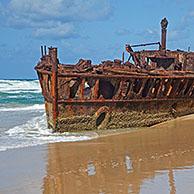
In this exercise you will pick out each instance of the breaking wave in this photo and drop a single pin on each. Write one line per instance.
(20, 92)
(35, 107)
(17, 86)
(35, 132)
(22, 101)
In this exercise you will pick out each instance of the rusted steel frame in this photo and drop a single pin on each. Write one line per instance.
(48, 99)
(123, 57)
(125, 88)
(181, 93)
(41, 49)
(48, 83)
(54, 80)
(90, 75)
(190, 89)
(128, 87)
(146, 44)
(45, 52)
(44, 71)
(40, 77)
(124, 101)
(159, 93)
(167, 86)
(139, 94)
(180, 87)
(120, 90)
(123, 72)
(183, 72)
(130, 90)
(44, 82)
(175, 87)
(156, 87)
(81, 89)
(64, 89)
(137, 86)
(153, 84)
(95, 89)
(43, 87)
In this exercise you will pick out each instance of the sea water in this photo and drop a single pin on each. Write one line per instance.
(22, 117)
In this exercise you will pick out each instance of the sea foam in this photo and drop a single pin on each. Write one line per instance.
(35, 132)
(19, 97)
(35, 107)
(17, 86)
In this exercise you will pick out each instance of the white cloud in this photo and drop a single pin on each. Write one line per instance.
(66, 30)
(61, 9)
(53, 17)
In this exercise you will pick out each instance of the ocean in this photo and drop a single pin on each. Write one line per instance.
(22, 117)
(158, 159)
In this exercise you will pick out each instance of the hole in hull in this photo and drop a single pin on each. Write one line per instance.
(106, 89)
(100, 119)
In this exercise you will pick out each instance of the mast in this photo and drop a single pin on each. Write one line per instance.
(164, 24)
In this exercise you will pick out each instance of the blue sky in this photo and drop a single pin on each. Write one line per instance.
(91, 29)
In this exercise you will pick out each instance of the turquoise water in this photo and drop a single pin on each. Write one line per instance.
(22, 117)
(21, 92)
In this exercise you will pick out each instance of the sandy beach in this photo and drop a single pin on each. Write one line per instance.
(96, 97)
(159, 159)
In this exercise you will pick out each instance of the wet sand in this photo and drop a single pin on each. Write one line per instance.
(159, 159)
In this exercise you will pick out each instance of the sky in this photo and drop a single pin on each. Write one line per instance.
(88, 29)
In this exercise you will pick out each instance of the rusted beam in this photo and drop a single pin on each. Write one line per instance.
(123, 57)
(81, 89)
(190, 89)
(95, 89)
(181, 85)
(41, 50)
(90, 75)
(45, 50)
(168, 87)
(121, 101)
(175, 87)
(181, 93)
(54, 89)
(44, 71)
(130, 89)
(146, 44)
(151, 88)
(139, 94)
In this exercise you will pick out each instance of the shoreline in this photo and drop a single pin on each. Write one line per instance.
(113, 163)
(100, 134)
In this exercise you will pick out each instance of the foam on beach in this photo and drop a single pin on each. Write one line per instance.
(35, 132)
(35, 107)
(22, 102)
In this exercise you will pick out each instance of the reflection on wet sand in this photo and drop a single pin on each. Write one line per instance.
(121, 163)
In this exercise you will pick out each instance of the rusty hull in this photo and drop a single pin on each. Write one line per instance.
(150, 87)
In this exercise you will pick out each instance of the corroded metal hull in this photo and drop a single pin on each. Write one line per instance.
(84, 101)
(157, 86)
(87, 116)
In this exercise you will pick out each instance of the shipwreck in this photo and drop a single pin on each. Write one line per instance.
(149, 87)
